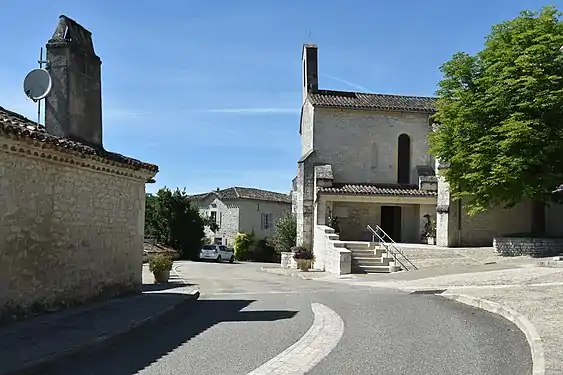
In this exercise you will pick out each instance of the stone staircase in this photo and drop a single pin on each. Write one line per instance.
(367, 257)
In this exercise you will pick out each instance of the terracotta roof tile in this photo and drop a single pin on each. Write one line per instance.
(377, 189)
(14, 124)
(358, 100)
(237, 192)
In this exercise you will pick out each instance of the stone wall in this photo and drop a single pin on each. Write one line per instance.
(227, 219)
(69, 232)
(331, 254)
(374, 136)
(535, 247)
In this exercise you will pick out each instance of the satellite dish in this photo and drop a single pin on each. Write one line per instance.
(37, 84)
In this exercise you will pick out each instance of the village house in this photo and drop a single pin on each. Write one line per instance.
(71, 213)
(365, 161)
(239, 209)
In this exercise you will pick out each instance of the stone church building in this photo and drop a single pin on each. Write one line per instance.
(71, 212)
(365, 160)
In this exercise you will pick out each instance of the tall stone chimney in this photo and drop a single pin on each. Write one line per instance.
(310, 69)
(73, 108)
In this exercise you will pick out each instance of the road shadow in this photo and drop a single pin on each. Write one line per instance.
(135, 351)
(167, 286)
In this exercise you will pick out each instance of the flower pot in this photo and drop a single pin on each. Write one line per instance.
(304, 264)
(430, 240)
(161, 277)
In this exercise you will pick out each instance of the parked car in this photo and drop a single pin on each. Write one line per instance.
(217, 253)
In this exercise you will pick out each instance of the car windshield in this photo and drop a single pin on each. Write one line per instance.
(209, 247)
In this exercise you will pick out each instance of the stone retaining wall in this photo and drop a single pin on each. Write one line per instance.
(534, 247)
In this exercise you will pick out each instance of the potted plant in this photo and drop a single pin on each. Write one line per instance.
(304, 259)
(429, 230)
(160, 266)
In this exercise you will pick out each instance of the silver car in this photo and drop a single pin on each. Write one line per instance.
(217, 253)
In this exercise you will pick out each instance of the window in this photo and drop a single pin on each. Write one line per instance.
(267, 222)
(404, 159)
(214, 216)
(218, 241)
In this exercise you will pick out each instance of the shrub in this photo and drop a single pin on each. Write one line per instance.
(262, 251)
(160, 263)
(243, 241)
(285, 235)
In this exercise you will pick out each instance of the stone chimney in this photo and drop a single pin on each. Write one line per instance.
(310, 69)
(73, 109)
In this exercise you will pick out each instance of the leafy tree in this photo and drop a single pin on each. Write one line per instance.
(174, 222)
(285, 235)
(500, 116)
(243, 242)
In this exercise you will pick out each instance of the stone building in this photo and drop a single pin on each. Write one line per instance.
(365, 160)
(71, 213)
(239, 209)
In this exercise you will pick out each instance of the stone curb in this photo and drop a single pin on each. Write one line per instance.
(534, 339)
(293, 274)
(35, 367)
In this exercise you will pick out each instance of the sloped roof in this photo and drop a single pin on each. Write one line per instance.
(377, 189)
(14, 125)
(358, 100)
(237, 192)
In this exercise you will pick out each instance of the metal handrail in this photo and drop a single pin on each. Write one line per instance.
(390, 246)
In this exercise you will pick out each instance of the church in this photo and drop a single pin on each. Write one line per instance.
(365, 161)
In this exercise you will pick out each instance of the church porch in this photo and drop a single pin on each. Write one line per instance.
(398, 209)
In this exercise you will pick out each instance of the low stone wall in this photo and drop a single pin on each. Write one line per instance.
(330, 253)
(287, 260)
(534, 247)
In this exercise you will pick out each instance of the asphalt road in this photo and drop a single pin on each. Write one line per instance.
(246, 317)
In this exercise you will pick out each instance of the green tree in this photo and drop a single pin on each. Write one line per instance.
(500, 114)
(243, 242)
(285, 235)
(174, 222)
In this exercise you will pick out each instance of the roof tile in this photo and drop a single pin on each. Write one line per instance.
(25, 129)
(237, 192)
(358, 100)
(377, 189)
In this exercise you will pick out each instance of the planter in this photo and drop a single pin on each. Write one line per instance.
(304, 264)
(430, 240)
(161, 277)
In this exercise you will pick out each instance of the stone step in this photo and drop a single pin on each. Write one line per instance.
(370, 269)
(366, 253)
(373, 261)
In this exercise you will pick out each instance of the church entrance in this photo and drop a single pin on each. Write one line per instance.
(391, 221)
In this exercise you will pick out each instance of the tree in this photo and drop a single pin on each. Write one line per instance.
(285, 235)
(500, 116)
(174, 222)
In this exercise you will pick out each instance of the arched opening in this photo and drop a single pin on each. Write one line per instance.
(404, 159)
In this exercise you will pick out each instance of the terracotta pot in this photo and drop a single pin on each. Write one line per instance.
(430, 240)
(161, 277)
(304, 264)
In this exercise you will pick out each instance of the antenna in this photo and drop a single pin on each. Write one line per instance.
(37, 84)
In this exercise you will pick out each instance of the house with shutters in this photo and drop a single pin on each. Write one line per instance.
(239, 209)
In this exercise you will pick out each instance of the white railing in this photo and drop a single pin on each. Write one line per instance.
(391, 247)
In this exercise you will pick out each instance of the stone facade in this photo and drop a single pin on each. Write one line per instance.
(359, 142)
(242, 215)
(535, 247)
(71, 213)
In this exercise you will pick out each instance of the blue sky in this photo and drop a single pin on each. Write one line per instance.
(211, 90)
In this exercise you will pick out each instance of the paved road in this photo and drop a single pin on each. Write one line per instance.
(247, 317)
